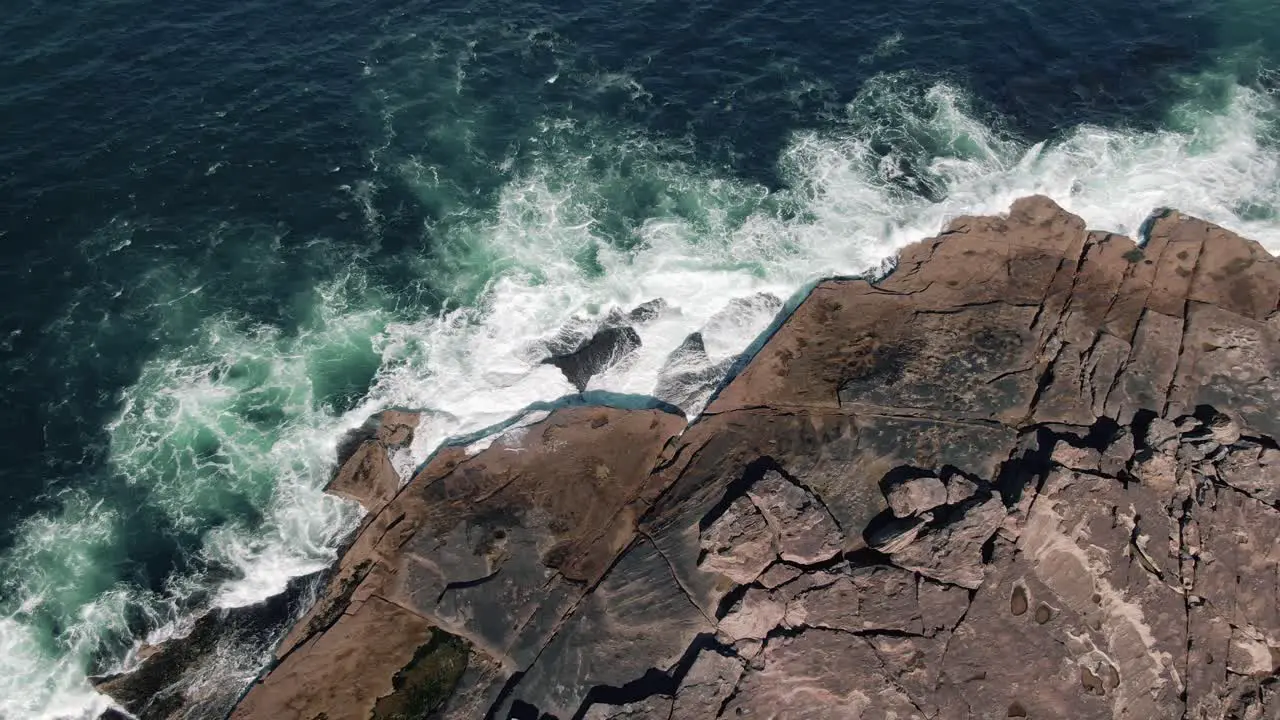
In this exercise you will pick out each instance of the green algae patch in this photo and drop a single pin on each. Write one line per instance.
(423, 686)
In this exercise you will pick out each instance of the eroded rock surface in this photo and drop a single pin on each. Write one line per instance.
(1032, 473)
(499, 553)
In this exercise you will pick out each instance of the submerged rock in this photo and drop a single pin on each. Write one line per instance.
(168, 681)
(688, 377)
(601, 352)
(1088, 436)
(648, 311)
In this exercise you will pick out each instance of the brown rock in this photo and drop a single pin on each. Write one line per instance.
(1084, 627)
(1118, 454)
(1076, 458)
(1089, 532)
(740, 544)
(753, 616)
(807, 534)
(820, 674)
(916, 495)
(368, 475)
(654, 707)
(779, 574)
(1224, 430)
(874, 598)
(600, 352)
(1254, 470)
(949, 550)
(710, 681)
(170, 680)
(471, 542)
(638, 618)
(341, 674)
(959, 489)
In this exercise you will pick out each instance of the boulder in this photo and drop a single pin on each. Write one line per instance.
(599, 353)
(916, 495)
(367, 472)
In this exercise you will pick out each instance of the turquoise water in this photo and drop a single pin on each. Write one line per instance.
(232, 232)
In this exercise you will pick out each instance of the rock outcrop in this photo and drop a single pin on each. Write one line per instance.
(1032, 473)
(582, 349)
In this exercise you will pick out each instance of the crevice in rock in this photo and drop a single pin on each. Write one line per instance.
(961, 307)
(1088, 381)
(1102, 330)
(902, 474)
(828, 565)
(1101, 433)
(782, 632)
(323, 620)
(903, 293)
(675, 577)
(1186, 322)
(989, 548)
(1262, 440)
(1045, 381)
(464, 584)
(865, 557)
(1008, 374)
(501, 700)
(382, 533)
(884, 672)
(883, 528)
(1075, 273)
(733, 597)
(1141, 423)
(817, 498)
(680, 448)
(1144, 559)
(946, 646)
(391, 526)
(1223, 485)
(728, 700)
(1186, 577)
(870, 632)
(555, 632)
(1128, 358)
(1035, 319)
(521, 710)
(754, 471)
(655, 681)
(1027, 465)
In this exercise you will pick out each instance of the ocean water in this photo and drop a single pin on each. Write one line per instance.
(231, 231)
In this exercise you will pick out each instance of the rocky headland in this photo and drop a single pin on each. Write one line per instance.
(1033, 472)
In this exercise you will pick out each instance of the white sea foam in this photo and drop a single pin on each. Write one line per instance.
(239, 416)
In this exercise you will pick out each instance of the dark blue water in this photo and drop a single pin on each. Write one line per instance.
(231, 230)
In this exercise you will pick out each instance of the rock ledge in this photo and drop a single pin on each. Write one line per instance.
(1032, 473)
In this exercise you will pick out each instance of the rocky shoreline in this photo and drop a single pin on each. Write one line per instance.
(1033, 472)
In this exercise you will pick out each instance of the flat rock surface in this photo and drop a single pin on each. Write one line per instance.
(1032, 473)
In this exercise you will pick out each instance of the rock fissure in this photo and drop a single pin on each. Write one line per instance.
(676, 578)
(467, 584)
